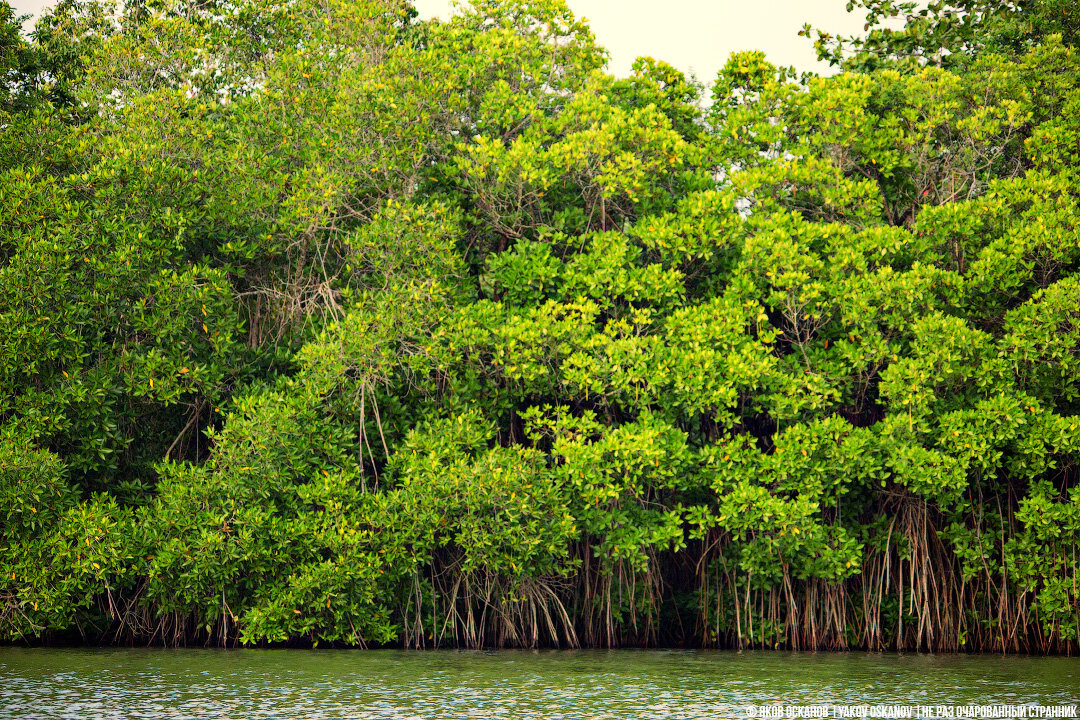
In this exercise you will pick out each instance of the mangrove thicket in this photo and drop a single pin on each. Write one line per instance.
(324, 324)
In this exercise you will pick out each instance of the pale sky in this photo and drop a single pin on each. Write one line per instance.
(698, 35)
(693, 35)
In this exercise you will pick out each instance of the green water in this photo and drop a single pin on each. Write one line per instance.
(192, 684)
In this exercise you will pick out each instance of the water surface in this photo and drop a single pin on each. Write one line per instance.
(675, 685)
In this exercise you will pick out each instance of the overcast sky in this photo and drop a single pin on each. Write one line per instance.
(693, 35)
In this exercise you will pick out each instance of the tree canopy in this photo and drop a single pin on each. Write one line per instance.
(321, 323)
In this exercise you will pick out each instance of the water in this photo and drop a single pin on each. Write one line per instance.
(675, 685)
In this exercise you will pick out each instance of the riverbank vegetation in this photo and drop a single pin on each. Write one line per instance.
(323, 324)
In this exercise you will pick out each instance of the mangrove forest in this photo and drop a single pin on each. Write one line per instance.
(322, 324)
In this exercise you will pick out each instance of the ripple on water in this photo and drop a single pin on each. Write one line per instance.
(362, 685)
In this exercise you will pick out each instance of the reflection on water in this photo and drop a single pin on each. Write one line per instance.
(195, 684)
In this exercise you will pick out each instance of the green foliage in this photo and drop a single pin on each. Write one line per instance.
(946, 32)
(322, 324)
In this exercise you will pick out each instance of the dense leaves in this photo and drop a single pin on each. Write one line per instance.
(324, 324)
